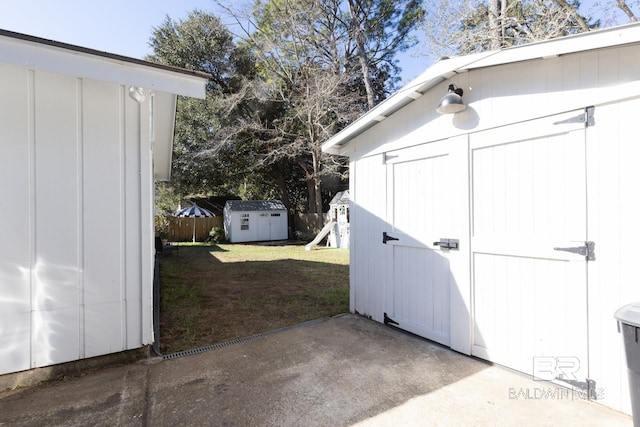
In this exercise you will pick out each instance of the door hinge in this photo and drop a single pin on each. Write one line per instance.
(588, 250)
(386, 238)
(587, 118)
(389, 321)
(594, 393)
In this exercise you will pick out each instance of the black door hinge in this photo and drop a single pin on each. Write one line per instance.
(389, 321)
(386, 238)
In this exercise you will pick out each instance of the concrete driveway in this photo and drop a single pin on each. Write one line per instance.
(340, 371)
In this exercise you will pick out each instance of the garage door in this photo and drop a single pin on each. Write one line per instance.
(427, 200)
(528, 243)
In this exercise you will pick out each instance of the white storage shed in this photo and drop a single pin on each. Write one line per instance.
(84, 134)
(507, 231)
(255, 220)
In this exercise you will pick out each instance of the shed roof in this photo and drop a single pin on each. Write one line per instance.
(444, 69)
(341, 198)
(255, 205)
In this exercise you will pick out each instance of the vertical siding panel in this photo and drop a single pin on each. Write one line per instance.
(17, 214)
(147, 251)
(369, 203)
(102, 218)
(613, 224)
(55, 298)
(133, 219)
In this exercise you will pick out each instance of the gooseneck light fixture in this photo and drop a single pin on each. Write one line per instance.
(452, 102)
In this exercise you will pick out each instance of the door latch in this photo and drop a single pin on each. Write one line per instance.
(448, 244)
(386, 238)
(588, 250)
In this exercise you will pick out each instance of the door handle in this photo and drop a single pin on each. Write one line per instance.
(448, 244)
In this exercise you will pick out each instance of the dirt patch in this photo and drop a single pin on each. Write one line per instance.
(216, 293)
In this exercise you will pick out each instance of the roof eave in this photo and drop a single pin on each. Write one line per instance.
(443, 70)
(37, 53)
(434, 75)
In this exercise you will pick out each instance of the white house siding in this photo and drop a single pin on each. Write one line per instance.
(534, 93)
(76, 219)
(367, 272)
(613, 211)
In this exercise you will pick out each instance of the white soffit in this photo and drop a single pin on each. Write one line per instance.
(445, 69)
(41, 54)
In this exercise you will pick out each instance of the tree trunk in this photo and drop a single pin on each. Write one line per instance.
(284, 190)
(311, 194)
(358, 34)
(623, 6)
(317, 188)
(495, 24)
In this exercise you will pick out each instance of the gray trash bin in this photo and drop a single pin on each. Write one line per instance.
(629, 324)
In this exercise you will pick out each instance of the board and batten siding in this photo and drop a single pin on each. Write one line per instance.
(368, 222)
(76, 219)
(505, 103)
(613, 153)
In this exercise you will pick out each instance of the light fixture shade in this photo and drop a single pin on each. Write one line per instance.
(451, 102)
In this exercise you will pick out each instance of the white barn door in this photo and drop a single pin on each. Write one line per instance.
(528, 225)
(427, 201)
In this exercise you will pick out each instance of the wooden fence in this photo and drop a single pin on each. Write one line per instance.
(182, 229)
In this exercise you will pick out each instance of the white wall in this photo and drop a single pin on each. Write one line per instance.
(606, 78)
(613, 223)
(76, 258)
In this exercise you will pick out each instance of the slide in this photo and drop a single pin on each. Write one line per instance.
(325, 230)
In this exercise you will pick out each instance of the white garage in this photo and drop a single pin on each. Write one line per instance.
(507, 231)
(84, 135)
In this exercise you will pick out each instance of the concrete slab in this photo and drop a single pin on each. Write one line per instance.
(340, 371)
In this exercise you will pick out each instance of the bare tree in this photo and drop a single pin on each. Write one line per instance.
(302, 62)
(497, 24)
(624, 7)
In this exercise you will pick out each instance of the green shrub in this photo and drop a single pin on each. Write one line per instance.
(216, 235)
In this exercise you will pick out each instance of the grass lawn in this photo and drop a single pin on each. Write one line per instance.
(219, 292)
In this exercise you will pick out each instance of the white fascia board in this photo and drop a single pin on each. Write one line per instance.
(38, 56)
(437, 73)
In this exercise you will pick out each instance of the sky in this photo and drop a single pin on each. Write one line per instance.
(124, 26)
(118, 26)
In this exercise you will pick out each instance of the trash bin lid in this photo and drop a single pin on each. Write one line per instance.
(629, 314)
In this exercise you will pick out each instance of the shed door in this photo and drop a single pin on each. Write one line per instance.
(426, 202)
(529, 197)
(263, 226)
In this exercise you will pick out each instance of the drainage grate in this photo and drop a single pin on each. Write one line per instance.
(236, 341)
(210, 347)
